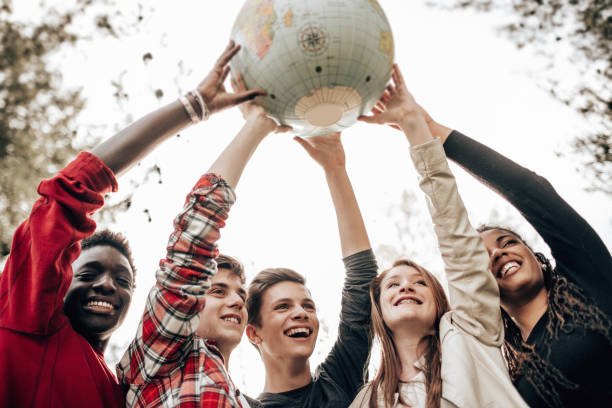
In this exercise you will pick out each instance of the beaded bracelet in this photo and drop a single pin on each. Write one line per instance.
(203, 107)
(190, 111)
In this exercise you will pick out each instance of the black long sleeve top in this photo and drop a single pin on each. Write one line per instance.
(337, 380)
(584, 357)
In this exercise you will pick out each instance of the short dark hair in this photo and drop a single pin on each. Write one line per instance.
(261, 283)
(233, 265)
(112, 239)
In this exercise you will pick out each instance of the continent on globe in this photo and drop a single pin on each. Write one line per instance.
(289, 18)
(386, 43)
(256, 23)
(322, 63)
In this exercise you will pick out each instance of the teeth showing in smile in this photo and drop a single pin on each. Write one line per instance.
(508, 267)
(409, 301)
(231, 319)
(298, 332)
(99, 306)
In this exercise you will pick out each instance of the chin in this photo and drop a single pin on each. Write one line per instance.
(99, 327)
(231, 340)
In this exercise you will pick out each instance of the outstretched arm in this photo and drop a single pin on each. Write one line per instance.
(474, 295)
(131, 144)
(38, 271)
(347, 360)
(172, 313)
(327, 150)
(578, 250)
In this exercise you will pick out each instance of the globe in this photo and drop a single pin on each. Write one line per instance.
(322, 62)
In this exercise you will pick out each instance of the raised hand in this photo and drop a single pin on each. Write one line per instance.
(253, 111)
(395, 105)
(212, 89)
(326, 150)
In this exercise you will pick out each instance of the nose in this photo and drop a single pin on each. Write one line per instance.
(407, 287)
(105, 283)
(299, 313)
(496, 253)
(235, 301)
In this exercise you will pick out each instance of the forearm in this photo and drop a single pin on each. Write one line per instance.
(131, 144)
(438, 131)
(414, 126)
(353, 234)
(173, 308)
(231, 162)
(473, 293)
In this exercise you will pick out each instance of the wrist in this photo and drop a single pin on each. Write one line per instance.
(410, 119)
(440, 131)
(260, 124)
(334, 170)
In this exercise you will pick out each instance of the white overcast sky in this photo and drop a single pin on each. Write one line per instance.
(456, 66)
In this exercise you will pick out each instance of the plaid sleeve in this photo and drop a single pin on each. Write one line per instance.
(174, 303)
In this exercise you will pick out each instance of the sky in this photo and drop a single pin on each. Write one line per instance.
(457, 67)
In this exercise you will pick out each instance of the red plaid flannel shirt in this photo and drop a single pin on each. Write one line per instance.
(167, 365)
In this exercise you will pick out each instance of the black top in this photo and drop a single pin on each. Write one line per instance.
(337, 380)
(584, 357)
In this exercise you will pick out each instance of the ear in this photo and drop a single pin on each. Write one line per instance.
(541, 259)
(251, 332)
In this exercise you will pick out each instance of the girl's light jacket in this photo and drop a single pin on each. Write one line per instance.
(474, 371)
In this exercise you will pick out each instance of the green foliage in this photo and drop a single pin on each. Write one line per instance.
(36, 119)
(547, 28)
(38, 126)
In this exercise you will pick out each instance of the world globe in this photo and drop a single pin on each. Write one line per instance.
(322, 62)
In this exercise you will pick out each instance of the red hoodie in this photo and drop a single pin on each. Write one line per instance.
(43, 361)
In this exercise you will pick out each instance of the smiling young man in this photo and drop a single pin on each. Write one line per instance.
(283, 322)
(53, 332)
(195, 313)
(101, 289)
(224, 318)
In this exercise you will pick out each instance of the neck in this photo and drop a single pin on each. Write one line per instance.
(409, 350)
(226, 355)
(97, 342)
(526, 313)
(286, 374)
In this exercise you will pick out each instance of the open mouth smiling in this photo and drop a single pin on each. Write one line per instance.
(408, 299)
(298, 332)
(508, 268)
(231, 318)
(99, 306)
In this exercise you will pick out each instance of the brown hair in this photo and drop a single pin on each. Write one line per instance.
(233, 265)
(388, 376)
(568, 309)
(261, 283)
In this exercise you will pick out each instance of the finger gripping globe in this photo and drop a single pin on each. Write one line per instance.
(322, 62)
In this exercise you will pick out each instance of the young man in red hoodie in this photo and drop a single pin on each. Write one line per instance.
(58, 305)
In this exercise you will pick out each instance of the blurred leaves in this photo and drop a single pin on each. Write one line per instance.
(38, 129)
(583, 28)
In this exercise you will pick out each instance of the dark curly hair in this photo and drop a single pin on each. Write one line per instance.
(568, 310)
